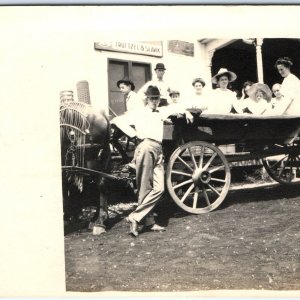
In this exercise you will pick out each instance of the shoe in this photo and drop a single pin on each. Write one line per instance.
(133, 226)
(156, 227)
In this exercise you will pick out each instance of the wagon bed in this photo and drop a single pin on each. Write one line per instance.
(198, 172)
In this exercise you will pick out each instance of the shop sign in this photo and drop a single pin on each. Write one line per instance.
(143, 48)
(181, 47)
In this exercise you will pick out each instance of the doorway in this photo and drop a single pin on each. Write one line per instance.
(138, 72)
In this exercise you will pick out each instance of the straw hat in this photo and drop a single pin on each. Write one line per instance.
(223, 71)
(260, 87)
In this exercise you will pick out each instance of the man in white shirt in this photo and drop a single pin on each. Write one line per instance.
(159, 82)
(132, 102)
(131, 99)
(148, 158)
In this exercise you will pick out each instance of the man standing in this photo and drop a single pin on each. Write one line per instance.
(163, 87)
(148, 158)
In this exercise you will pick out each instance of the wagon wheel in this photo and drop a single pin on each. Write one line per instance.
(283, 168)
(198, 177)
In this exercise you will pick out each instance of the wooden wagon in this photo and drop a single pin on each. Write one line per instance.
(198, 172)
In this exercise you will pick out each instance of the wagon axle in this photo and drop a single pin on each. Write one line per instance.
(201, 176)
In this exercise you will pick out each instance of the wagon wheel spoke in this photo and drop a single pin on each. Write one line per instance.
(186, 164)
(187, 192)
(210, 161)
(195, 200)
(201, 157)
(182, 184)
(277, 162)
(217, 179)
(283, 168)
(192, 157)
(198, 177)
(206, 196)
(216, 169)
(181, 173)
(213, 189)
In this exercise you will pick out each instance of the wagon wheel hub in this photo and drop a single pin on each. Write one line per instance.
(199, 177)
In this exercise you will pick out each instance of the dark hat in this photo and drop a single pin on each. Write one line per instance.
(126, 81)
(160, 66)
(198, 80)
(260, 87)
(231, 76)
(152, 91)
(174, 92)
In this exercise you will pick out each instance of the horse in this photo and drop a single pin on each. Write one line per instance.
(85, 157)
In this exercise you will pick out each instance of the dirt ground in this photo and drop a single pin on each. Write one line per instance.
(251, 242)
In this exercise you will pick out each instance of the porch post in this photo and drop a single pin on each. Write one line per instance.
(210, 56)
(260, 73)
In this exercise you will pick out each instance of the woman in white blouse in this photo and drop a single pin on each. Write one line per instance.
(290, 88)
(222, 98)
(197, 100)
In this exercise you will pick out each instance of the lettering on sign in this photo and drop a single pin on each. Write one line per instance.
(143, 48)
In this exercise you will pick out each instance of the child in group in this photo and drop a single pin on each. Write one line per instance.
(277, 93)
(177, 108)
(259, 101)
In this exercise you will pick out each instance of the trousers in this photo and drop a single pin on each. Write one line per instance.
(148, 159)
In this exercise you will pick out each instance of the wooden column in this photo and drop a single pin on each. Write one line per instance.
(210, 56)
(260, 72)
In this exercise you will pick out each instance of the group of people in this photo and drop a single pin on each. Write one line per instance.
(148, 109)
(257, 97)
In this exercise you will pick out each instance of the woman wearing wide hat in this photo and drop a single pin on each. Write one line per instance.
(222, 98)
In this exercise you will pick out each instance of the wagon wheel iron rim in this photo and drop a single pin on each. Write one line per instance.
(198, 177)
(283, 168)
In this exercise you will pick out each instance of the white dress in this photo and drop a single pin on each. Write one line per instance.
(195, 101)
(257, 108)
(221, 102)
(290, 89)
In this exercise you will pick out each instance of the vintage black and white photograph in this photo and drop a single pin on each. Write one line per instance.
(164, 147)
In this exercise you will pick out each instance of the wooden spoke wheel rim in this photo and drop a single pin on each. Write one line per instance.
(198, 177)
(283, 168)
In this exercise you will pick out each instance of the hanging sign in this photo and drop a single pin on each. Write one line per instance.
(143, 48)
(181, 47)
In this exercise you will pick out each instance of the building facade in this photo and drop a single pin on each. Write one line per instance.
(108, 61)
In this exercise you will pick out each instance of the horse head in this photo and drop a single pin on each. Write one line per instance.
(85, 135)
